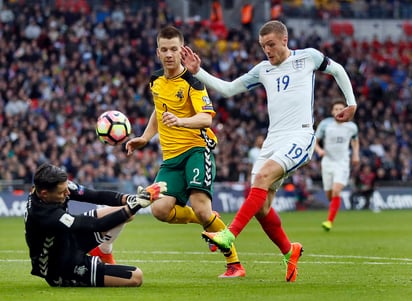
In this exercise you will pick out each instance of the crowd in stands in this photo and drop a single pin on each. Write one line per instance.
(61, 67)
(326, 10)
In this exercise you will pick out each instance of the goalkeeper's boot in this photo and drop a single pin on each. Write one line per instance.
(327, 226)
(213, 247)
(233, 270)
(222, 239)
(291, 261)
(106, 258)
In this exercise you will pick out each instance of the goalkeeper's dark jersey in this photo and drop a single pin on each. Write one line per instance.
(53, 235)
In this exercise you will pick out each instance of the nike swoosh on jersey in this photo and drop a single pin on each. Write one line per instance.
(271, 69)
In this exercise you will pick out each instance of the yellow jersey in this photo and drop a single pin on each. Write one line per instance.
(184, 96)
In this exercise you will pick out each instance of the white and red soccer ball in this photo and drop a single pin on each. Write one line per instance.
(113, 127)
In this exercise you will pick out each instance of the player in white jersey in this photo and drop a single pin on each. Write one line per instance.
(337, 138)
(288, 77)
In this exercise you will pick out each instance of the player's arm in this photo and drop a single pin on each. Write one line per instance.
(319, 134)
(355, 151)
(225, 88)
(335, 69)
(198, 121)
(110, 197)
(120, 215)
(151, 127)
(91, 223)
(318, 149)
(99, 197)
(55, 216)
(342, 79)
(201, 104)
(192, 62)
(148, 134)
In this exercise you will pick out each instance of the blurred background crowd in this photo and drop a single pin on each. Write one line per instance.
(63, 63)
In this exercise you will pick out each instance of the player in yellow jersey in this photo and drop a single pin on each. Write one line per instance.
(182, 117)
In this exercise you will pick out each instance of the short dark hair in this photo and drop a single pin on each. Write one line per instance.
(48, 176)
(170, 32)
(338, 101)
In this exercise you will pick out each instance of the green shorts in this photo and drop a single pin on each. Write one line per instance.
(194, 169)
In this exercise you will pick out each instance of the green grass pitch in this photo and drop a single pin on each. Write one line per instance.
(366, 256)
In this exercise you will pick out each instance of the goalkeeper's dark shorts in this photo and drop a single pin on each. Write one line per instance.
(194, 169)
(90, 273)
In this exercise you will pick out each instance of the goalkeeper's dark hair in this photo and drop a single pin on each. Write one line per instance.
(170, 32)
(48, 176)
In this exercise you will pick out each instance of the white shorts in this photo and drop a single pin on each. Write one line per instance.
(291, 151)
(334, 172)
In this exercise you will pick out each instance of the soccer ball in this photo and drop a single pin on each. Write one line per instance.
(113, 127)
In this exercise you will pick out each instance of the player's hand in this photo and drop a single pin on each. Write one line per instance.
(146, 196)
(170, 119)
(152, 192)
(320, 152)
(135, 143)
(190, 59)
(346, 114)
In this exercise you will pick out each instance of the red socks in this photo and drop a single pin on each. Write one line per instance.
(333, 208)
(272, 226)
(255, 200)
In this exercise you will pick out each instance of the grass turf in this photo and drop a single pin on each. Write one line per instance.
(366, 256)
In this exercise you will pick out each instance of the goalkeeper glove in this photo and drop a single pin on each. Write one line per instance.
(146, 196)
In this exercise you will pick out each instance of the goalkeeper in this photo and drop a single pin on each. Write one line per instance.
(59, 242)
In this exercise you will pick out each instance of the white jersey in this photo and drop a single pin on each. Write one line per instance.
(336, 139)
(289, 88)
(290, 97)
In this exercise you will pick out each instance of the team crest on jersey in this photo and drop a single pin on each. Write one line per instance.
(298, 64)
(179, 94)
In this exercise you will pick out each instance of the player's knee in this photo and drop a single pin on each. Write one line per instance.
(137, 278)
(160, 213)
(259, 178)
(161, 216)
(203, 213)
(264, 180)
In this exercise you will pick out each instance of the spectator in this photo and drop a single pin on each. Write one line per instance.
(70, 79)
(6, 14)
(32, 30)
(247, 17)
(364, 187)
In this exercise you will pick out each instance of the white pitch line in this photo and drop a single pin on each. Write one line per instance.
(268, 254)
(220, 262)
(362, 257)
(339, 259)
